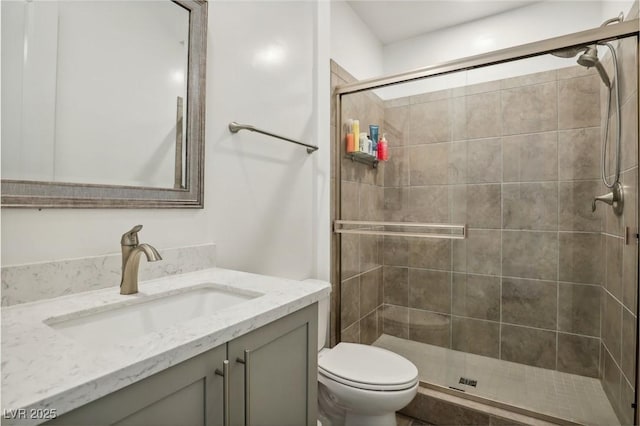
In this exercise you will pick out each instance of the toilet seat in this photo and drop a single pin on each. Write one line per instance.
(367, 367)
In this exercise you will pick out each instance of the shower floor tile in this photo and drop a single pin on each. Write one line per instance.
(567, 396)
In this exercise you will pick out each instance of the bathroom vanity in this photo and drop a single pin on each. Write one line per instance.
(251, 361)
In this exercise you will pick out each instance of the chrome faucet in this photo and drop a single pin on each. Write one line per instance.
(131, 252)
(615, 198)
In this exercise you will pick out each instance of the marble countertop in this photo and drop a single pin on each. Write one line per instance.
(44, 369)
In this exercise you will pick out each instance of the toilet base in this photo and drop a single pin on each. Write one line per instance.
(355, 419)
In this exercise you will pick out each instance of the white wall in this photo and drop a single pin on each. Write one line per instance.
(261, 194)
(262, 190)
(531, 23)
(353, 45)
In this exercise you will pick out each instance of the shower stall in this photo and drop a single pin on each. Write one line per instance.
(497, 248)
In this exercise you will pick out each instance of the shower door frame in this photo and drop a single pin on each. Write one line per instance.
(601, 34)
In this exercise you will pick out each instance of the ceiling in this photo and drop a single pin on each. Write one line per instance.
(394, 20)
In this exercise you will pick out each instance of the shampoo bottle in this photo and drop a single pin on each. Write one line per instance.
(364, 143)
(373, 132)
(383, 148)
(356, 135)
(349, 137)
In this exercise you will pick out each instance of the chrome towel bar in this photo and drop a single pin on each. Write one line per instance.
(236, 127)
(367, 228)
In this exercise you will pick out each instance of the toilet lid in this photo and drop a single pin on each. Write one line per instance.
(367, 367)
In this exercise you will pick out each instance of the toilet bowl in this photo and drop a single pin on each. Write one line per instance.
(364, 385)
(360, 384)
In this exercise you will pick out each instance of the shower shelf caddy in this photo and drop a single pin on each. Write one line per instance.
(402, 229)
(364, 158)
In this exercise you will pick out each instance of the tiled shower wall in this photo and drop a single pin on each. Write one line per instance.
(619, 302)
(517, 161)
(362, 195)
(541, 280)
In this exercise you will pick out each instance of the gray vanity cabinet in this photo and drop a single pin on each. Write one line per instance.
(189, 393)
(272, 374)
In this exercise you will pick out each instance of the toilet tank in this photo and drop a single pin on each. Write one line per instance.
(323, 316)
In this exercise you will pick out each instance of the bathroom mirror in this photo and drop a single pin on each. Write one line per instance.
(103, 103)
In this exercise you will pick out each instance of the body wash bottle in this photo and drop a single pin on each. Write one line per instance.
(355, 128)
(383, 148)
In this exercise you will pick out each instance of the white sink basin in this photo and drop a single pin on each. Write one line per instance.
(126, 321)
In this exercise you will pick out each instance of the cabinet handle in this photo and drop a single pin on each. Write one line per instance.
(225, 390)
(247, 381)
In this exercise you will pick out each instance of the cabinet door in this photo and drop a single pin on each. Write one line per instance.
(274, 372)
(189, 393)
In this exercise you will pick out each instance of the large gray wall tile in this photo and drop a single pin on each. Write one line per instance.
(396, 125)
(429, 327)
(429, 122)
(396, 169)
(612, 326)
(476, 296)
(613, 273)
(629, 137)
(479, 253)
(528, 346)
(484, 161)
(530, 254)
(530, 157)
(580, 257)
(579, 308)
(483, 206)
(395, 250)
(429, 204)
(369, 328)
(350, 249)
(430, 290)
(481, 111)
(396, 285)
(628, 355)
(529, 302)
(611, 379)
(370, 292)
(579, 153)
(575, 212)
(579, 102)
(395, 321)
(350, 306)
(530, 206)
(396, 204)
(429, 164)
(475, 336)
(457, 162)
(530, 109)
(578, 355)
(430, 253)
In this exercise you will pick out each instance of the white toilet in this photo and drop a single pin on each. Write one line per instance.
(360, 384)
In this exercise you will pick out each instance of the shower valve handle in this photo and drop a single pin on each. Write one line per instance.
(614, 198)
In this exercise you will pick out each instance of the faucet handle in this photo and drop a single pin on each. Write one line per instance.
(130, 238)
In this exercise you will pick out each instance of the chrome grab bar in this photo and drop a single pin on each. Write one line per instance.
(236, 127)
(366, 228)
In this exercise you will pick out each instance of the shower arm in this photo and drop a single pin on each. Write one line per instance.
(615, 20)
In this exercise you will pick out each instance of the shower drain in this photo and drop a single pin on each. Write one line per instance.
(468, 382)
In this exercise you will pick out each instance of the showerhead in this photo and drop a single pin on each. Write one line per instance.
(590, 59)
